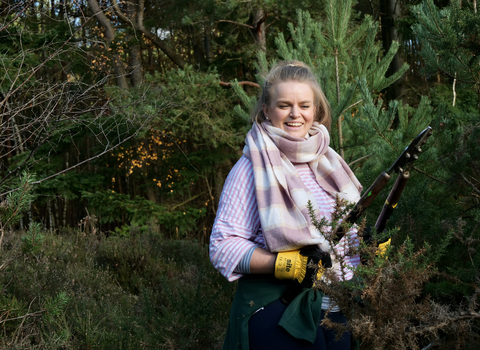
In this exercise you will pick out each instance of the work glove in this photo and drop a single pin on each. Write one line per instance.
(382, 246)
(303, 267)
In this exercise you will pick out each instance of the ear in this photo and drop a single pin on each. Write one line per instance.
(265, 110)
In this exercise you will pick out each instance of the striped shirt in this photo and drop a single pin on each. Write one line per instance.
(236, 231)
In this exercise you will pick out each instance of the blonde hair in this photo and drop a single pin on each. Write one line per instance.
(295, 71)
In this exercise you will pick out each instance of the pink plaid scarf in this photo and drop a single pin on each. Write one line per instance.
(281, 195)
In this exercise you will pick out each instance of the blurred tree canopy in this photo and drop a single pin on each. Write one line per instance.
(142, 99)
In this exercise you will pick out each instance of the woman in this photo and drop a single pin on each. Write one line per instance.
(263, 217)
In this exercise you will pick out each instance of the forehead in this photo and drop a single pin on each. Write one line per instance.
(292, 90)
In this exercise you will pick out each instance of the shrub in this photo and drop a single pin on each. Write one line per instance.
(113, 293)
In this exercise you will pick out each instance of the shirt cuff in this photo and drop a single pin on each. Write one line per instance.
(243, 266)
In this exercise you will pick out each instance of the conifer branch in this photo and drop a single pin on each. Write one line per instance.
(383, 136)
(28, 314)
(339, 120)
(434, 18)
(453, 88)
(108, 148)
(138, 25)
(428, 175)
(9, 261)
(25, 317)
(48, 59)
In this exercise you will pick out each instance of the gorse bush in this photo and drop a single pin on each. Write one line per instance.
(386, 303)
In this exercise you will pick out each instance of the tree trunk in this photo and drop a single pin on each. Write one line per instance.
(50, 215)
(136, 75)
(119, 68)
(258, 29)
(208, 44)
(198, 47)
(65, 198)
(151, 195)
(65, 212)
(138, 25)
(56, 211)
(150, 57)
(390, 13)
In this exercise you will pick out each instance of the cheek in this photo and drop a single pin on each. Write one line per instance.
(277, 118)
(313, 116)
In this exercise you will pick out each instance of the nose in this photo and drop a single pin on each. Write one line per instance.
(295, 112)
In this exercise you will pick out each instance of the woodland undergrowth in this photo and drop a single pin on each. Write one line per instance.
(80, 290)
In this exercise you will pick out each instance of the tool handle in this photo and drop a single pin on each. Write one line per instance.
(392, 201)
(364, 202)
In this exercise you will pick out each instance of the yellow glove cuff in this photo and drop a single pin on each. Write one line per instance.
(320, 271)
(382, 248)
(291, 265)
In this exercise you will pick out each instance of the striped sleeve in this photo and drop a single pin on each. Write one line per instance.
(236, 229)
(324, 208)
(349, 241)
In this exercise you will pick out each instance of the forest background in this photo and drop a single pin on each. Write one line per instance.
(120, 121)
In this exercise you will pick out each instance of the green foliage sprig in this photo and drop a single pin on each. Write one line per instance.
(16, 202)
(33, 240)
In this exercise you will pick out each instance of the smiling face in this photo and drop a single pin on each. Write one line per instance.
(292, 108)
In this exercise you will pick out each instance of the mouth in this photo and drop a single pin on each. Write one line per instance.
(295, 125)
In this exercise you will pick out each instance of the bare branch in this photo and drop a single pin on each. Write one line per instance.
(250, 83)
(18, 15)
(237, 23)
(428, 175)
(359, 159)
(475, 189)
(37, 68)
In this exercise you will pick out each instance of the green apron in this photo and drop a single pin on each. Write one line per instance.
(300, 319)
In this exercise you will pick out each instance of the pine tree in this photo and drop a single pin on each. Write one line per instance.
(450, 48)
(449, 39)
